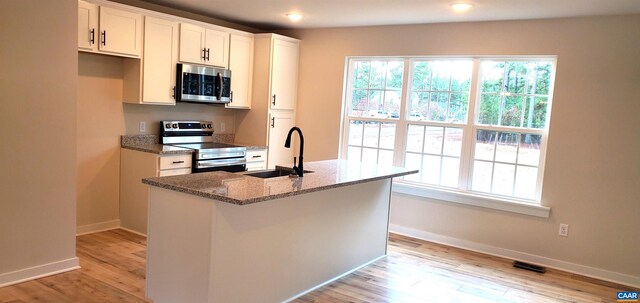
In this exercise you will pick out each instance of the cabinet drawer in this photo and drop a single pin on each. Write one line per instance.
(257, 155)
(174, 172)
(256, 166)
(170, 162)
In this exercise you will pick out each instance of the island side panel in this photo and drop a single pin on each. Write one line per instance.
(178, 247)
(276, 250)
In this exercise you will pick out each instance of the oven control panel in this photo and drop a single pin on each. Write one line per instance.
(186, 126)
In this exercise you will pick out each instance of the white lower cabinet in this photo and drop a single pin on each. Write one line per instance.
(257, 159)
(135, 166)
(279, 125)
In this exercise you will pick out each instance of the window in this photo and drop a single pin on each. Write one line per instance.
(474, 126)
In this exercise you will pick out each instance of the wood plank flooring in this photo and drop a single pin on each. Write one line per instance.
(113, 270)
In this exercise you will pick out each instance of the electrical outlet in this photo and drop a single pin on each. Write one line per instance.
(222, 127)
(143, 126)
(564, 230)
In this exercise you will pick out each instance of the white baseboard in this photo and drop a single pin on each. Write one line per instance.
(97, 227)
(588, 271)
(39, 271)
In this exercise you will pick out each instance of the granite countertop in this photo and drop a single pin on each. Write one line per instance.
(237, 188)
(159, 149)
(151, 144)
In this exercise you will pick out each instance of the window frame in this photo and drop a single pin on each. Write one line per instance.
(462, 193)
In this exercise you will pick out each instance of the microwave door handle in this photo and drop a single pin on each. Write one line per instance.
(219, 92)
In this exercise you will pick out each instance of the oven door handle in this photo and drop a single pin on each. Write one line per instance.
(219, 163)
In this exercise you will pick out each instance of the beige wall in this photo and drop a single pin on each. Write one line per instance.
(592, 177)
(102, 118)
(38, 118)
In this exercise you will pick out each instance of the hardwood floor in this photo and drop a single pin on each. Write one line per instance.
(113, 270)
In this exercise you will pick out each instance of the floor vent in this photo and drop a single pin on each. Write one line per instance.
(528, 266)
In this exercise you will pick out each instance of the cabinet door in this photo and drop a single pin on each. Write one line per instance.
(284, 74)
(217, 45)
(279, 125)
(159, 61)
(120, 32)
(87, 26)
(192, 43)
(241, 66)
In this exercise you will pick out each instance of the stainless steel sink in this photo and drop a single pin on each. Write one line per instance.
(272, 173)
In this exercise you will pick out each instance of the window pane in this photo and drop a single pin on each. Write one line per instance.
(375, 103)
(353, 153)
(413, 161)
(378, 73)
(461, 75)
(433, 140)
(450, 171)
(485, 145)
(391, 107)
(369, 155)
(507, 147)
(452, 142)
(512, 111)
(482, 172)
(458, 106)
(359, 103)
(371, 130)
(516, 77)
(438, 106)
(431, 169)
(355, 132)
(419, 106)
(415, 135)
(537, 117)
(529, 151)
(489, 109)
(361, 74)
(492, 76)
(541, 72)
(421, 76)
(441, 74)
(503, 175)
(395, 69)
(526, 180)
(385, 157)
(387, 135)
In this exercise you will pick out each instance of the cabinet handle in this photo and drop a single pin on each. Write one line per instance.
(173, 90)
(273, 122)
(204, 54)
(208, 54)
(104, 38)
(257, 156)
(274, 100)
(178, 162)
(92, 39)
(231, 97)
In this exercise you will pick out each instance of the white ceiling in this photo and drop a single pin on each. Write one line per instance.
(270, 14)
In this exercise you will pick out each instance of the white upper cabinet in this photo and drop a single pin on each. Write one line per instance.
(120, 32)
(241, 66)
(159, 61)
(284, 74)
(204, 45)
(87, 26)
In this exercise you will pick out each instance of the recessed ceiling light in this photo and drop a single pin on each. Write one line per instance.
(294, 17)
(461, 7)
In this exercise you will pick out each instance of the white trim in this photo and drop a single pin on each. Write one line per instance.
(474, 200)
(39, 271)
(97, 227)
(597, 273)
(133, 231)
(334, 279)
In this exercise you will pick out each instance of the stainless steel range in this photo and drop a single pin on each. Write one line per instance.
(208, 156)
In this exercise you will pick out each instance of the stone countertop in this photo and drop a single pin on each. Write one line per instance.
(240, 189)
(159, 149)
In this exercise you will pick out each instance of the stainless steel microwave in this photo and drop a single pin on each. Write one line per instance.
(203, 84)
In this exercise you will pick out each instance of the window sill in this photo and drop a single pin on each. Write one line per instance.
(469, 199)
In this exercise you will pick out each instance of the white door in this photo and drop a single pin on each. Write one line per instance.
(217, 46)
(87, 26)
(160, 58)
(284, 74)
(241, 66)
(279, 125)
(120, 32)
(192, 43)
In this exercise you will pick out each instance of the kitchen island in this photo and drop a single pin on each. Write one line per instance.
(228, 237)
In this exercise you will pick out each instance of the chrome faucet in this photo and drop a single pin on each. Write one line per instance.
(298, 169)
